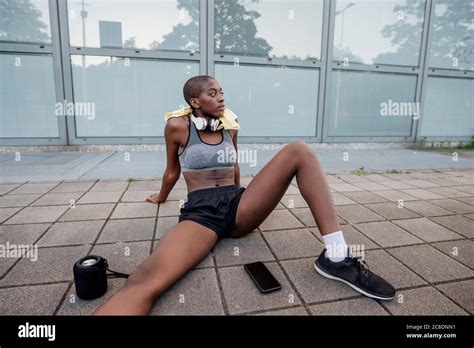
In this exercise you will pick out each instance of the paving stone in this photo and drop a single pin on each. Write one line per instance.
(344, 187)
(52, 265)
(31, 215)
(427, 230)
(123, 257)
(80, 186)
(71, 233)
(109, 186)
(66, 198)
(444, 182)
(391, 211)
(197, 293)
(280, 219)
(73, 305)
(467, 200)
(454, 206)
(377, 178)
(164, 224)
(365, 197)
(395, 195)
(134, 210)
(461, 250)
(425, 208)
(311, 285)
(423, 301)
(396, 185)
(456, 223)
(356, 239)
(449, 192)
(460, 292)
(357, 213)
(387, 234)
(242, 295)
(10, 201)
(431, 264)
(147, 185)
(340, 199)
(31, 300)
(283, 312)
(30, 188)
(357, 306)
(288, 244)
(389, 268)
(294, 201)
(100, 197)
(422, 194)
(6, 213)
(170, 208)
(88, 212)
(250, 248)
(466, 188)
(420, 183)
(127, 230)
(351, 178)
(371, 186)
(22, 234)
(331, 179)
(4, 189)
(135, 196)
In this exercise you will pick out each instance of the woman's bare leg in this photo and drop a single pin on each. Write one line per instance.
(268, 187)
(177, 252)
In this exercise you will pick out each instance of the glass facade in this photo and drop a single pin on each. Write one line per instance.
(321, 70)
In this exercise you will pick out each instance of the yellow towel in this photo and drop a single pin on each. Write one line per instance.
(227, 118)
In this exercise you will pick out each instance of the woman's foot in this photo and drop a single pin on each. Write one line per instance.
(352, 271)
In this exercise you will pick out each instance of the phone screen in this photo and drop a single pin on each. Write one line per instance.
(262, 276)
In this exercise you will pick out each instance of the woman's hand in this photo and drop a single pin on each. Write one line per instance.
(155, 198)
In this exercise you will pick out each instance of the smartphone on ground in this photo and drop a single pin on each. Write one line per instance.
(262, 277)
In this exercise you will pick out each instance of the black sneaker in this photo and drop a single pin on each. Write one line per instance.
(354, 272)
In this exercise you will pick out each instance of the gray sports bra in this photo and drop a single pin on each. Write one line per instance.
(198, 155)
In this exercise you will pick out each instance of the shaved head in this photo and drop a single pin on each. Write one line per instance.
(194, 86)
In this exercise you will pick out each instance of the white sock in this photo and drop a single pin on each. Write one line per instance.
(336, 247)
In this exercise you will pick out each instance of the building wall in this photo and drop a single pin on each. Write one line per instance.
(105, 72)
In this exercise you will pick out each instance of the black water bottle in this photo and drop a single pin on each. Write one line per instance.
(90, 277)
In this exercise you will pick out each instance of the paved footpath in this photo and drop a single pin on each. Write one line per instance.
(424, 247)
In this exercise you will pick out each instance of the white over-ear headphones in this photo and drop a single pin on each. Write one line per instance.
(202, 123)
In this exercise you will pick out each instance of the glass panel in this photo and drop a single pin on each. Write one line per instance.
(27, 96)
(372, 104)
(282, 101)
(453, 35)
(129, 96)
(379, 32)
(448, 108)
(275, 28)
(144, 24)
(25, 21)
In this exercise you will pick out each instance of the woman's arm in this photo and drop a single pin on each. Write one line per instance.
(173, 168)
(236, 167)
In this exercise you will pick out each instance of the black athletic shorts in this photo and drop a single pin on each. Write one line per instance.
(213, 207)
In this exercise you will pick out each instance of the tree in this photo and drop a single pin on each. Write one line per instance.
(235, 30)
(452, 33)
(20, 21)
